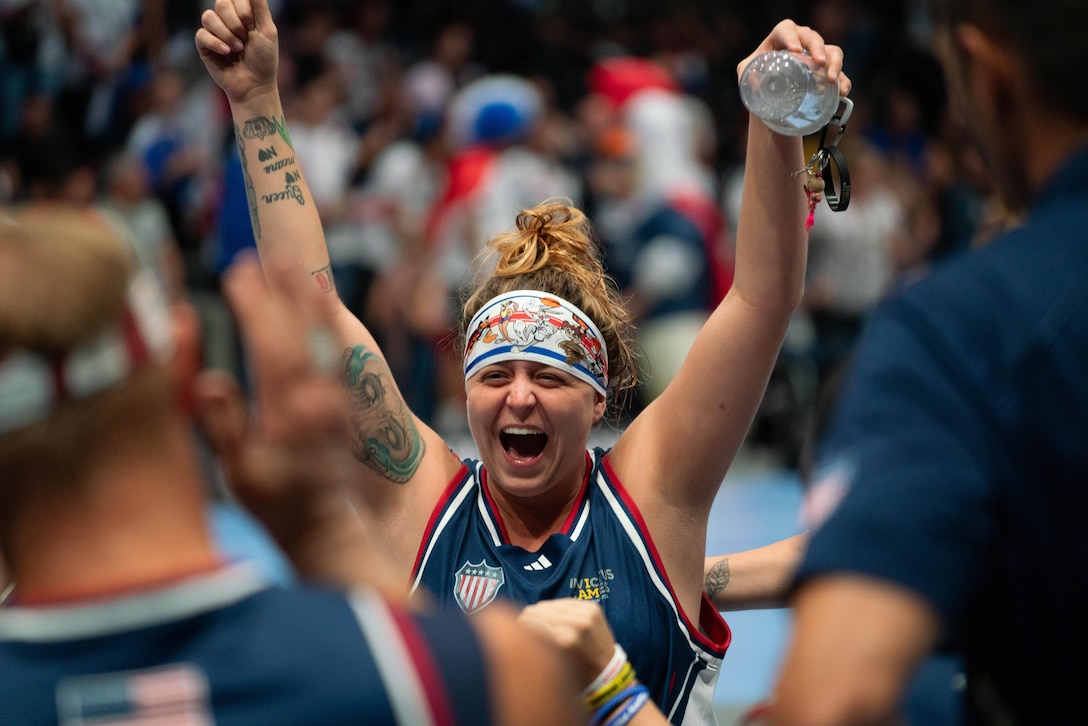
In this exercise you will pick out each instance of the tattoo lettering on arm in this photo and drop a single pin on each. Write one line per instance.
(251, 195)
(270, 158)
(717, 578)
(386, 438)
(261, 128)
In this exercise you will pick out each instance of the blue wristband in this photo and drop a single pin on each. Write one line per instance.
(630, 709)
(638, 694)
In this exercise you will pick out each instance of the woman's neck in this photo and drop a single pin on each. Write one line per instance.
(528, 523)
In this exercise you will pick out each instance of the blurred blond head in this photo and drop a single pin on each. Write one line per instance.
(64, 280)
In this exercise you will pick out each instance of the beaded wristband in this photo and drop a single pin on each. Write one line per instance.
(640, 694)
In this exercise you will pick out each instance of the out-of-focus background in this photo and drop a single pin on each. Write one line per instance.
(423, 126)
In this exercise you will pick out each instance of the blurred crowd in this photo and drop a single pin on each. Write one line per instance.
(424, 126)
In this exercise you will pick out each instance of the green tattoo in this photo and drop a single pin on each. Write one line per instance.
(251, 194)
(386, 438)
(281, 129)
(717, 578)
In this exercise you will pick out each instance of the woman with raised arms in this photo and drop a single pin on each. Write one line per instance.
(540, 516)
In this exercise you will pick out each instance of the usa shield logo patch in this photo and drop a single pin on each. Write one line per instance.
(476, 585)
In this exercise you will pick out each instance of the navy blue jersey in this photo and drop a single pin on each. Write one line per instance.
(603, 553)
(228, 649)
(959, 449)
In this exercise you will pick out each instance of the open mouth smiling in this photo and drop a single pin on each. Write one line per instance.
(523, 443)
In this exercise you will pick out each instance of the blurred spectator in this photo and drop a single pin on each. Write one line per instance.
(400, 187)
(59, 178)
(106, 62)
(655, 199)
(367, 58)
(850, 255)
(127, 194)
(176, 142)
(31, 56)
(431, 82)
(40, 140)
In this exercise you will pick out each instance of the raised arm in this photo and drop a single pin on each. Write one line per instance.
(674, 455)
(708, 407)
(238, 42)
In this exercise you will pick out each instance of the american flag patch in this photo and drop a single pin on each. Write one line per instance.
(174, 695)
(475, 586)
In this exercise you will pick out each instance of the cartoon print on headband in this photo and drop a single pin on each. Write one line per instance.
(582, 346)
(526, 323)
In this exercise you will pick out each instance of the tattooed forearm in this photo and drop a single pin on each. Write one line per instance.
(386, 438)
(261, 128)
(717, 578)
(251, 195)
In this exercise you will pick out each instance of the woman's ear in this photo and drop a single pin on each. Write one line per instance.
(599, 407)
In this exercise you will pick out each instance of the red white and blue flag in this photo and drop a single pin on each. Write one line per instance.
(476, 585)
(174, 695)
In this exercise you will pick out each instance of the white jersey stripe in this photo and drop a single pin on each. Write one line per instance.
(398, 672)
(455, 504)
(42, 624)
(485, 515)
(634, 534)
(583, 518)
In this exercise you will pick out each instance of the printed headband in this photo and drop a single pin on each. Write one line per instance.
(537, 326)
(32, 385)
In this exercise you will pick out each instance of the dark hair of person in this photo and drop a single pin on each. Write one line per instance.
(1046, 35)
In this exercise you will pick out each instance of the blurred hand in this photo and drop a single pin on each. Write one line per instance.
(578, 628)
(289, 460)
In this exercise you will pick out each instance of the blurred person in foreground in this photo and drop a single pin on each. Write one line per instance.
(542, 515)
(952, 478)
(121, 602)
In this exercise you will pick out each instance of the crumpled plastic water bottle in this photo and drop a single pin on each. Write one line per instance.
(789, 92)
